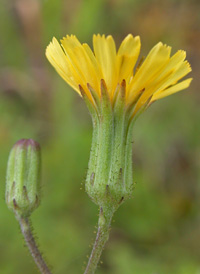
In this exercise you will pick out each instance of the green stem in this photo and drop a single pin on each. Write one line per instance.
(105, 217)
(32, 246)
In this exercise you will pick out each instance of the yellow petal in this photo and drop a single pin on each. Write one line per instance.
(180, 70)
(150, 69)
(95, 64)
(78, 57)
(127, 56)
(175, 60)
(105, 52)
(173, 89)
(59, 61)
(174, 70)
(171, 66)
(83, 63)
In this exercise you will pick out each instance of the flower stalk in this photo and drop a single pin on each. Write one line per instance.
(105, 217)
(32, 246)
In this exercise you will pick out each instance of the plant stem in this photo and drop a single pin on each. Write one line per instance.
(32, 246)
(105, 217)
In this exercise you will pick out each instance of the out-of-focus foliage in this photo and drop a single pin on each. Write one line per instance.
(159, 230)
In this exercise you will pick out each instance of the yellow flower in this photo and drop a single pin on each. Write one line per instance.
(157, 77)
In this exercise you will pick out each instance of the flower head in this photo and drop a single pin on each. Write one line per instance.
(157, 77)
(116, 90)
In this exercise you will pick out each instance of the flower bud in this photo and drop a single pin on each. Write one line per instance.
(23, 177)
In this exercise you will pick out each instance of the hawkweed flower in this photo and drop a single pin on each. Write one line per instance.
(116, 88)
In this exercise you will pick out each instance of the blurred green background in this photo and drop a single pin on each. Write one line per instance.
(158, 231)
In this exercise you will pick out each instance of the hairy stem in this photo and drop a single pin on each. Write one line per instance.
(32, 246)
(105, 217)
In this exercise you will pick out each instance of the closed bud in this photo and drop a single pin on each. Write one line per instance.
(23, 177)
